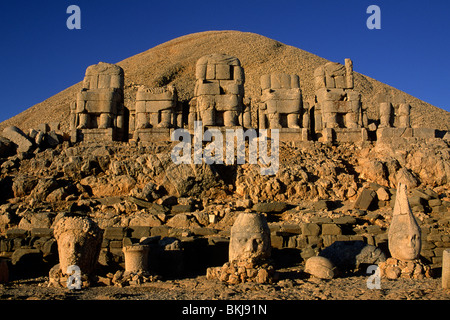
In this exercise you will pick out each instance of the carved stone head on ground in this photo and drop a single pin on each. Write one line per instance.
(79, 241)
(404, 233)
(250, 238)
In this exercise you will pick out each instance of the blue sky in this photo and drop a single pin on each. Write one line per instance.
(42, 57)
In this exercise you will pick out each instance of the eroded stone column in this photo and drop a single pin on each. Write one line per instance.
(446, 269)
(136, 258)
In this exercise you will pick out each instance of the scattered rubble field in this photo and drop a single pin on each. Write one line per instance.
(293, 285)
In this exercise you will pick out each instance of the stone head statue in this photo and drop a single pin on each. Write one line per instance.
(79, 241)
(250, 238)
(404, 233)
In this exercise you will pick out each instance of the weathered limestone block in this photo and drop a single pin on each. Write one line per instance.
(365, 199)
(424, 133)
(208, 88)
(79, 242)
(385, 115)
(155, 107)
(219, 91)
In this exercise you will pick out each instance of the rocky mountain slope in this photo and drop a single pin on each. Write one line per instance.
(174, 62)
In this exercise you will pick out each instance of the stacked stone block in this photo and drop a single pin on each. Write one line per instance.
(219, 91)
(98, 112)
(281, 101)
(28, 252)
(156, 112)
(394, 113)
(155, 107)
(338, 105)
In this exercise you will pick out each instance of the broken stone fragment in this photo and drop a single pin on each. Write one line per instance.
(19, 138)
(320, 267)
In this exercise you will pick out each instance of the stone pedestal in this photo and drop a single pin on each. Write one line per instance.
(153, 134)
(344, 135)
(446, 269)
(136, 258)
(95, 135)
(293, 134)
(387, 135)
(424, 133)
(350, 135)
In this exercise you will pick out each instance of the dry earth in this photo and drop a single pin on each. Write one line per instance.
(293, 285)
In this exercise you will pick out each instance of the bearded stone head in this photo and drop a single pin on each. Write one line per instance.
(250, 238)
(79, 242)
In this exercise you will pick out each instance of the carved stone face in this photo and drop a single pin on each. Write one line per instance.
(404, 233)
(405, 246)
(250, 238)
(79, 241)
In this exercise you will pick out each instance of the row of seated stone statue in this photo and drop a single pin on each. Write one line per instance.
(99, 112)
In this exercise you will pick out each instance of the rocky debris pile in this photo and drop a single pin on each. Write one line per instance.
(416, 163)
(243, 271)
(60, 279)
(394, 268)
(123, 278)
(44, 136)
(310, 171)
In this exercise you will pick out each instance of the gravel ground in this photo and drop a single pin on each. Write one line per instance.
(293, 285)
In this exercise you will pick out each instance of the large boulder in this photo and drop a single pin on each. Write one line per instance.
(320, 267)
(19, 138)
(183, 179)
